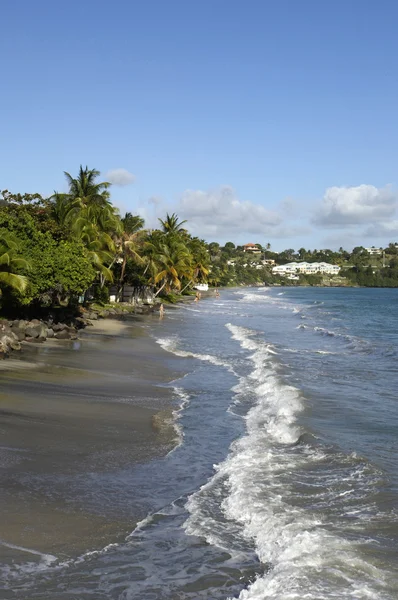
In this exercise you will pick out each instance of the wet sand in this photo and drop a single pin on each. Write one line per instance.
(75, 418)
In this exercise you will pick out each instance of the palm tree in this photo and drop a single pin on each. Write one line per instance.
(129, 243)
(171, 224)
(84, 192)
(170, 262)
(10, 262)
(91, 218)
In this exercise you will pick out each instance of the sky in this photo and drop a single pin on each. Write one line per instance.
(266, 121)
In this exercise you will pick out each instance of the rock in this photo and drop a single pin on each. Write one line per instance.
(62, 335)
(36, 330)
(80, 322)
(59, 327)
(93, 316)
(20, 334)
(20, 325)
(36, 340)
(50, 332)
(7, 343)
(5, 328)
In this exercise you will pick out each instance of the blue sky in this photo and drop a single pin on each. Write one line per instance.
(264, 121)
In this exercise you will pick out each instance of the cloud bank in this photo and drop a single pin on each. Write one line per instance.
(120, 177)
(343, 216)
(363, 204)
(220, 212)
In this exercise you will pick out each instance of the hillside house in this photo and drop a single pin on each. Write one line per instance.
(252, 248)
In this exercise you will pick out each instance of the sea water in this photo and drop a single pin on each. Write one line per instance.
(284, 482)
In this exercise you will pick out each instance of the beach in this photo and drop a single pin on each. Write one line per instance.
(72, 413)
(243, 447)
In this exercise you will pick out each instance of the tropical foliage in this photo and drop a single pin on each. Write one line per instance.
(53, 250)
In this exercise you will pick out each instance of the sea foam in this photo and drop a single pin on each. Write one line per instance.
(303, 558)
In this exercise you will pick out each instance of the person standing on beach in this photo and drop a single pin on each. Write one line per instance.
(161, 311)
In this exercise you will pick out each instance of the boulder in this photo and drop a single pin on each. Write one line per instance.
(59, 327)
(20, 334)
(50, 332)
(7, 343)
(62, 335)
(20, 325)
(37, 340)
(93, 316)
(80, 322)
(36, 330)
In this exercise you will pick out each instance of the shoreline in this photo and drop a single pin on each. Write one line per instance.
(77, 417)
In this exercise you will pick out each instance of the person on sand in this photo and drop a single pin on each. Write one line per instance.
(217, 294)
(161, 311)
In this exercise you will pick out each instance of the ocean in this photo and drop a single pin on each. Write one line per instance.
(284, 482)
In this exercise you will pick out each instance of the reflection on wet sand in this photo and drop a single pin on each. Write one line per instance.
(75, 417)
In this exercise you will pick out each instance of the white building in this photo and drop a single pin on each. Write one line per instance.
(306, 268)
(374, 250)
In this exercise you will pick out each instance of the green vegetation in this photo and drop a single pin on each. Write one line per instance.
(53, 250)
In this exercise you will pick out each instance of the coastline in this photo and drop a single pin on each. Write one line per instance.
(77, 416)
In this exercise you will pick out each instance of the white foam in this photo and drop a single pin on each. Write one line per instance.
(306, 559)
(184, 399)
(171, 345)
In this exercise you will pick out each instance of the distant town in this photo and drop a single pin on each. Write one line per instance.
(252, 263)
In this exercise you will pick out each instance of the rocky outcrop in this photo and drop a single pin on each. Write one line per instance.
(13, 333)
(21, 331)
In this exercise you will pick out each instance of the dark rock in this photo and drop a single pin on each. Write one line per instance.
(50, 332)
(20, 334)
(37, 340)
(59, 327)
(80, 322)
(62, 335)
(36, 330)
(19, 325)
(33, 331)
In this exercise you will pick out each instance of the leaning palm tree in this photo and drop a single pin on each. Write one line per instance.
(11, 262)
(172, 264)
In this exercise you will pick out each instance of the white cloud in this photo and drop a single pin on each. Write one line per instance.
(358, 205)
(219, 213)
(120, 177)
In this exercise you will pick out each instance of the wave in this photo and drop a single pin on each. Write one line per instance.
(248, 499)
(170, 344)
(184, 399)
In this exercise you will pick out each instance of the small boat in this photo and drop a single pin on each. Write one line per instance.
(201, 287)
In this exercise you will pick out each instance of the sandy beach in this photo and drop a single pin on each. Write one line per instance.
(75, 415)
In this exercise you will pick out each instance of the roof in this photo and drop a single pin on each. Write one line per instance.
(249, 244)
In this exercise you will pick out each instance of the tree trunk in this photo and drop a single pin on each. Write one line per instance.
(121, 278)
(189, 283)
(160, 289)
